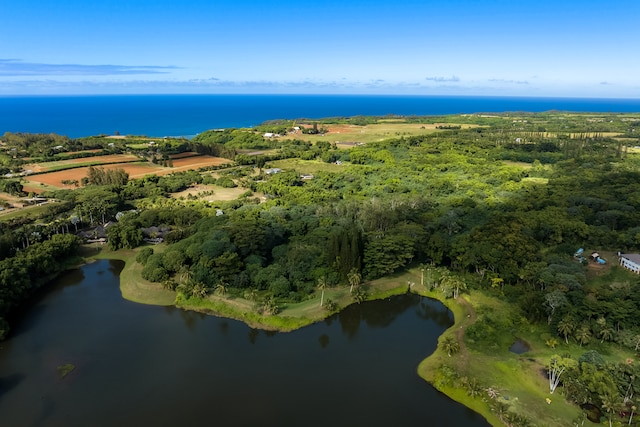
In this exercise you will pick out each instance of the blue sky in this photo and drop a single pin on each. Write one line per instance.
(584, 48)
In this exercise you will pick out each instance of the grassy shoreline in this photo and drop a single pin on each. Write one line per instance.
(295, 316)
(132, 286)
(518, 378)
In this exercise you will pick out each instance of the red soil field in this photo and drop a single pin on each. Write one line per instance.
(198, 162)
(135, 170)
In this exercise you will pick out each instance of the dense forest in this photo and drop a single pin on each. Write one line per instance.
(502, 205)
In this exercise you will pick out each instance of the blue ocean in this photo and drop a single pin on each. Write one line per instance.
(188, 115)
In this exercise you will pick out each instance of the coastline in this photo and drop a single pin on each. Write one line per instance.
(190, 114)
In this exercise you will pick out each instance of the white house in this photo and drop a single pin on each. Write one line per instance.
(630, 262)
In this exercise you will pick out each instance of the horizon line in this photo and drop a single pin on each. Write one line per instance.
(79, 95)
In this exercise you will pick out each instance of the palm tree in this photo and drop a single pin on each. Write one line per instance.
(169, 284)
(611, 403)
(322, 285)
(583, 335)
(566, 326)
(359, 295)
(473, 387)
(523, 420)
(251, 295)
(185, 274)
(499, 408)
(606, 334)
(186, 287)
(354, 279)
(330, 305)
(221, 288)
(450, 345)
(269, 306)
(199, 290)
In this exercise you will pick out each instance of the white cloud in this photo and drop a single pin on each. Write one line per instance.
(18, 68)
(443, 79)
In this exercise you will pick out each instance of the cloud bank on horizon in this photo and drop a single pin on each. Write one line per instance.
(467, 47)
(18, 68)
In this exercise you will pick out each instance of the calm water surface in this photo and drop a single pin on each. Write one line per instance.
(187, 115)
(142, 365)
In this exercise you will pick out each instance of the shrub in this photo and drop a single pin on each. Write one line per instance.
(144, 255)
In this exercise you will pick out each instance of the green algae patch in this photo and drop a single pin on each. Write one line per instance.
(64, 370)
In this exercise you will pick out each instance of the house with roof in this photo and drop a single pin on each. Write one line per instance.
(630, 262)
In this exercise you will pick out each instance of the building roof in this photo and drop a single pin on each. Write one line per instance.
(635, 258)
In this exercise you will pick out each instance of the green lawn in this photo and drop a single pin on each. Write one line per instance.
(132, 285)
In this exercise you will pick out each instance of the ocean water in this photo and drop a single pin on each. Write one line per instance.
(188, 115)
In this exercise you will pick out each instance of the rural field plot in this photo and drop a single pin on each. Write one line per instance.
(211, 193)
(197, 162)
(54, 179)
(346, 133)
(306, 166)
(87, 161)
(66, 154)
(38, 183)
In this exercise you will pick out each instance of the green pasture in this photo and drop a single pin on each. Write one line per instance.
(27, 211)
(59, 165)
(305, 167)
(370, 133)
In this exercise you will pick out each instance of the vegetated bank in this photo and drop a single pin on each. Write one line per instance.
(492, 207)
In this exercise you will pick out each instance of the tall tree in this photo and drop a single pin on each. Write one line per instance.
(354, 279)
(566, 326)
(322, 285)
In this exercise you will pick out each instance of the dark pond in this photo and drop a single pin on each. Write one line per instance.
(141, 365)
(519, 347)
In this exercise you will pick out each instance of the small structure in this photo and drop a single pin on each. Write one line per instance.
(595, 257)
(272, 171)
(630, 261)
